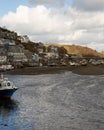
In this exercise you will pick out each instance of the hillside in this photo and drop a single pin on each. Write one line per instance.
(77, 49)
(85, 51)
(32, 46)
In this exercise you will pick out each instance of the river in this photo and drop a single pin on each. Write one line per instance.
(64, 101)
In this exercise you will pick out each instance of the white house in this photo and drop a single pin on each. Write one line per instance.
(24, 39)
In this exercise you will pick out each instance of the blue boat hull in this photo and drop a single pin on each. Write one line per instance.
(7, 92)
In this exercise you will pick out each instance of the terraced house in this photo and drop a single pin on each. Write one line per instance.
(16, 54)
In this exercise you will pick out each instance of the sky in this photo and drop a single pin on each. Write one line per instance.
(78, 22)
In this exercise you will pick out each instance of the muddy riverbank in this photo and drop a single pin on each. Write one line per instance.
(81, 70)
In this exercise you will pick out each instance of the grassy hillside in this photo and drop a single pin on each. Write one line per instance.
(76, 49)
(85, 51)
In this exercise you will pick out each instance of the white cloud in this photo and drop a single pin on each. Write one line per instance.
(49, 2)
(89, 5)
(42, 1)
(52, 25)
(96, 46)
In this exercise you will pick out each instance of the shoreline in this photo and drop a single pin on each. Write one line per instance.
(80, 70)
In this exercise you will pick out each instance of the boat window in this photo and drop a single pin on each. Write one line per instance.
(0, 85)
(8, 84)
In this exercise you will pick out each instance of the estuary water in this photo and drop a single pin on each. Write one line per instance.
(64, 101)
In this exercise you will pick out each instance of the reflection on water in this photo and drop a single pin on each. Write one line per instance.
(7, 109)
(7, 106)
(54, 102)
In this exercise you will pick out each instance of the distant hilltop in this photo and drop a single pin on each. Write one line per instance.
(79, 50)
(32, 46)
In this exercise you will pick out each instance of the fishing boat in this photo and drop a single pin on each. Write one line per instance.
(7, 88)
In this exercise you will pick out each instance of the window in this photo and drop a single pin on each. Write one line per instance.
(8, 84)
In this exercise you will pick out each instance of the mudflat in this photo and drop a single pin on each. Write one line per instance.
(81, 70)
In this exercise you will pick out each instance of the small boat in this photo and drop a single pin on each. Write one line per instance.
(7, 88)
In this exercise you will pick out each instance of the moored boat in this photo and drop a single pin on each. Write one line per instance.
(7, 88)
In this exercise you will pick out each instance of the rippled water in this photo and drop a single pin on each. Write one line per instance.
(54, 102)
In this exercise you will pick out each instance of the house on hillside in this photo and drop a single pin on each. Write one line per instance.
(52, 52)
(3, 55)
(39, 48)
(1, 42)
(76, 56)
(52, 48)
(16, 54)
(6, 42)
(23, 39)
(9, 42)
(36, 57)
